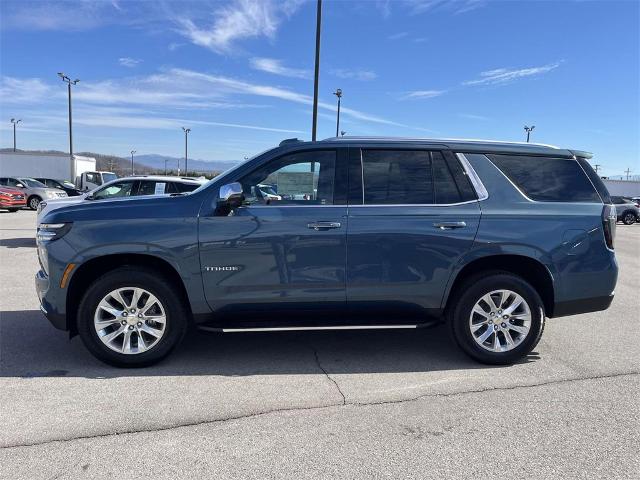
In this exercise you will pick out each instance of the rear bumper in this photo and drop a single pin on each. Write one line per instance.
(586, 305)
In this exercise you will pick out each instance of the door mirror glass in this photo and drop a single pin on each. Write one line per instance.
(231, 194)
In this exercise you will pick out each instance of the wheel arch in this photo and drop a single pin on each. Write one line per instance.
(94, 268)
(530, 269)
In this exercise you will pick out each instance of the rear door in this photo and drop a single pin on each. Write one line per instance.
(412, 214)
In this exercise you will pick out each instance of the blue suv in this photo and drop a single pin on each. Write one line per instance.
(489, 237)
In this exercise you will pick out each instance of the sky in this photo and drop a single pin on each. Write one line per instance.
(239, 73)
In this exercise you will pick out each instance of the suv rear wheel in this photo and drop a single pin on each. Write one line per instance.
(131, 318)
(497, 318)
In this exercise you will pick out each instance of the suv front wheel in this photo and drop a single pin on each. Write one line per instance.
(131, 318)
(497, 318)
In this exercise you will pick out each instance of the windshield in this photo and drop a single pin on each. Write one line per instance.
(108, 177)
(30, 182)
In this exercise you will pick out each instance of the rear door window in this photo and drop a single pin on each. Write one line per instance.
(547, 179)
(397, 177)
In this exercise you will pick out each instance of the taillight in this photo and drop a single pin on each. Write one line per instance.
(609, 218)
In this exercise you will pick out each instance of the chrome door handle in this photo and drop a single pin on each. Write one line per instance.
(449, 225)
(317, 226)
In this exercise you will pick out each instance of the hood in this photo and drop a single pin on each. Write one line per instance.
(125, 208)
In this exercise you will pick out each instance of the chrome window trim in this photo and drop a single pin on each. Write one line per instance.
(478, 186)
(414, 204)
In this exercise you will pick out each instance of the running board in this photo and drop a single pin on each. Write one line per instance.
(291, 329)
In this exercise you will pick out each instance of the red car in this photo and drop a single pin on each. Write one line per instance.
(12, 199)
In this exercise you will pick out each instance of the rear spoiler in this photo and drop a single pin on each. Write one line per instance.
(579, 153)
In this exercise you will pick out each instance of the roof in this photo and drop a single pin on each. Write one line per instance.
(458, 144)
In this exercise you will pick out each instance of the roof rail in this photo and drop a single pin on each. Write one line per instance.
(288, 141)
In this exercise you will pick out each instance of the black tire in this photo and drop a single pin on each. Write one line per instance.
(470, 292)
(175, 310)
(629, 218)
(13, 210)
(33, 201)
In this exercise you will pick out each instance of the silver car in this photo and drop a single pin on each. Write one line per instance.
(33, 190)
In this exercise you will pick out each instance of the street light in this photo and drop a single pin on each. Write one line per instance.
(338, 93)
(70, 82)
(529, 130)
(15, 123)
(314, 124)
(132, 170)
(186, 134)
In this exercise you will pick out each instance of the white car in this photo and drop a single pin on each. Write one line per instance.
(126, 187)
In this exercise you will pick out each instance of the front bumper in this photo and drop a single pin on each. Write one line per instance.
(5, 203)
(57, 319)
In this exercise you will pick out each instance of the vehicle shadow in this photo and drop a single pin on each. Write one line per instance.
(18, 242)
(30, 347)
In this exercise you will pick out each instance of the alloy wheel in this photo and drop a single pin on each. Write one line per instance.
(130, 320)
(500, 321)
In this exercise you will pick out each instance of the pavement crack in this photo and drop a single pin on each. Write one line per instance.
(326, 374)
(317, 407)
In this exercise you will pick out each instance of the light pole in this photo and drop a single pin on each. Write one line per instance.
(529, 130)
(70, 82)
(165, 166)
(15, 124)
(186, 134)
(132, 170)
(338, 93)
(314, 125)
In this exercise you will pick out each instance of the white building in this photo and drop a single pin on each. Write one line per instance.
(623, 188)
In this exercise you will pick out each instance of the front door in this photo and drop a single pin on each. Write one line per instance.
(412, 215)
(283, 252)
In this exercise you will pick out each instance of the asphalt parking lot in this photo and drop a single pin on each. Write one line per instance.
(383, 404)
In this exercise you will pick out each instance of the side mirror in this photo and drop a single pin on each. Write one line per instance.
(231, 194)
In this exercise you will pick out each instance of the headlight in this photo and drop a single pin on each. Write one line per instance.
(48, 232)
(51, 194)
(5, 194)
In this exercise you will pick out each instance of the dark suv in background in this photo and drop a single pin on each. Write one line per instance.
(360, 233)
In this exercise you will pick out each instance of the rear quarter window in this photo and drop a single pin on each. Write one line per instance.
(547, 179)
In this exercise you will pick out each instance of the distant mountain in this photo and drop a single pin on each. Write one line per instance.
(157, 162)
(148, 164)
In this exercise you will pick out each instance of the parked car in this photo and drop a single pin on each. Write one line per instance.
(126, 187)
(626, 209)
(64, 185)
(12, 199)
(395, 234)
(32, 189)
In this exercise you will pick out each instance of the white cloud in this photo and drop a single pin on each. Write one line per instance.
(501, 76)
(422, 94)
(23, 90)
(240, 20)
(354, 74)
(129, 62)
(456, 6)
(398, 36)
(472, 116)
(272, 65)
